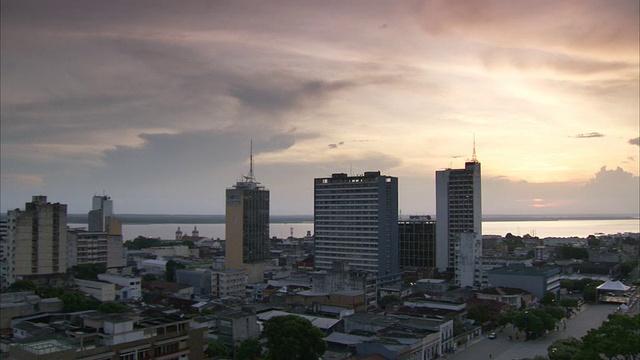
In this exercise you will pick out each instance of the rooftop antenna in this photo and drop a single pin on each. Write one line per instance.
(474, 158)
(250, 177)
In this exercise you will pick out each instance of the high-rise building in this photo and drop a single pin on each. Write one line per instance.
(5, 254)
(417, 242)
(101, 213)
(459, 221)
(247, 226)
(356, 222)
(37, 237)
(102, 243)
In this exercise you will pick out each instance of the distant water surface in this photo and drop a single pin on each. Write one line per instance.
(542, 229)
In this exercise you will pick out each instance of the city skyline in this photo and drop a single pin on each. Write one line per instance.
(156, 104)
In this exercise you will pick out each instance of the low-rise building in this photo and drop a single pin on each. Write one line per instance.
(515, 298)
(230, 326)
(132, 283)
(102, 291)
(535, 280)
(228, 283)
(116, 336)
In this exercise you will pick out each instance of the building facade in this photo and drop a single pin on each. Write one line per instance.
(535, 280)
(356, 222)
(36, 240)
(5, 255)
(247, 227)
(85, 247)
(134, 284)
(417, 242)
(118, 337)
(459, 221)
(101, 212)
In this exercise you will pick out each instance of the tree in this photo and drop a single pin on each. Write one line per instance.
(555, 312)
(88, 271)
(593, 241)
(569, 303)
(23, 285)
(590, 291)
(171, 267)
(292, 338)
(113, 308)
(617, 337)
(571, 252)
(149, 277)
(46, 292)
(142, 242)
(248, 349)
(534, 322)
(564, 349)
(549, 298)
(388, 300)
(627, 266)
(216, 348)
(73, 301)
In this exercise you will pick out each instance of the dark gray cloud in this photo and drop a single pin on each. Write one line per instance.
(635, 141)
(589, 135)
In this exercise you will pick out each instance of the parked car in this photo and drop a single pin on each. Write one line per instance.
(492, 336)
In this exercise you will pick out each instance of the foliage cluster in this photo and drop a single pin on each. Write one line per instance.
(88, 271)
(534, 322)
(616, 338)
(482, 313)
(571, 252)
(293, 338)
(142, 242)
(170, 270)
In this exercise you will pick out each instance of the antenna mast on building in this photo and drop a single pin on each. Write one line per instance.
(250, 177)
(473, 157)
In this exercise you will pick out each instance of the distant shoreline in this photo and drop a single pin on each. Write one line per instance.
(142, 219)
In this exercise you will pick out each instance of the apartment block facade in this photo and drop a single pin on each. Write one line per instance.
(459, 222)
(36, 240)
(356, 222)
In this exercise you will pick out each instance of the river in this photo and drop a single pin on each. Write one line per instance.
(542, 229)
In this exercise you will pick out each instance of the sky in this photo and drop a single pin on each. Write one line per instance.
(155, 103)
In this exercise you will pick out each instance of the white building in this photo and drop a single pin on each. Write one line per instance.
(102, 291)
(459, 221)
(151, 266)
(132, 283)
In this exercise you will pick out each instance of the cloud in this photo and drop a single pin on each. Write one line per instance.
(335, 146)
(609, 191)
(589, 135)
(567, 27)
(23, 180)
(635, 141)
(532, 62)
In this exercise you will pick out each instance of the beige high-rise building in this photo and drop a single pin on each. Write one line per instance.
(247, 227)
(39, 236)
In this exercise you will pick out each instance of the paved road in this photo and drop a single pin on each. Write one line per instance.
(504, 349)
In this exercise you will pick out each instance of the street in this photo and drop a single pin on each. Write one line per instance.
(502, 348)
